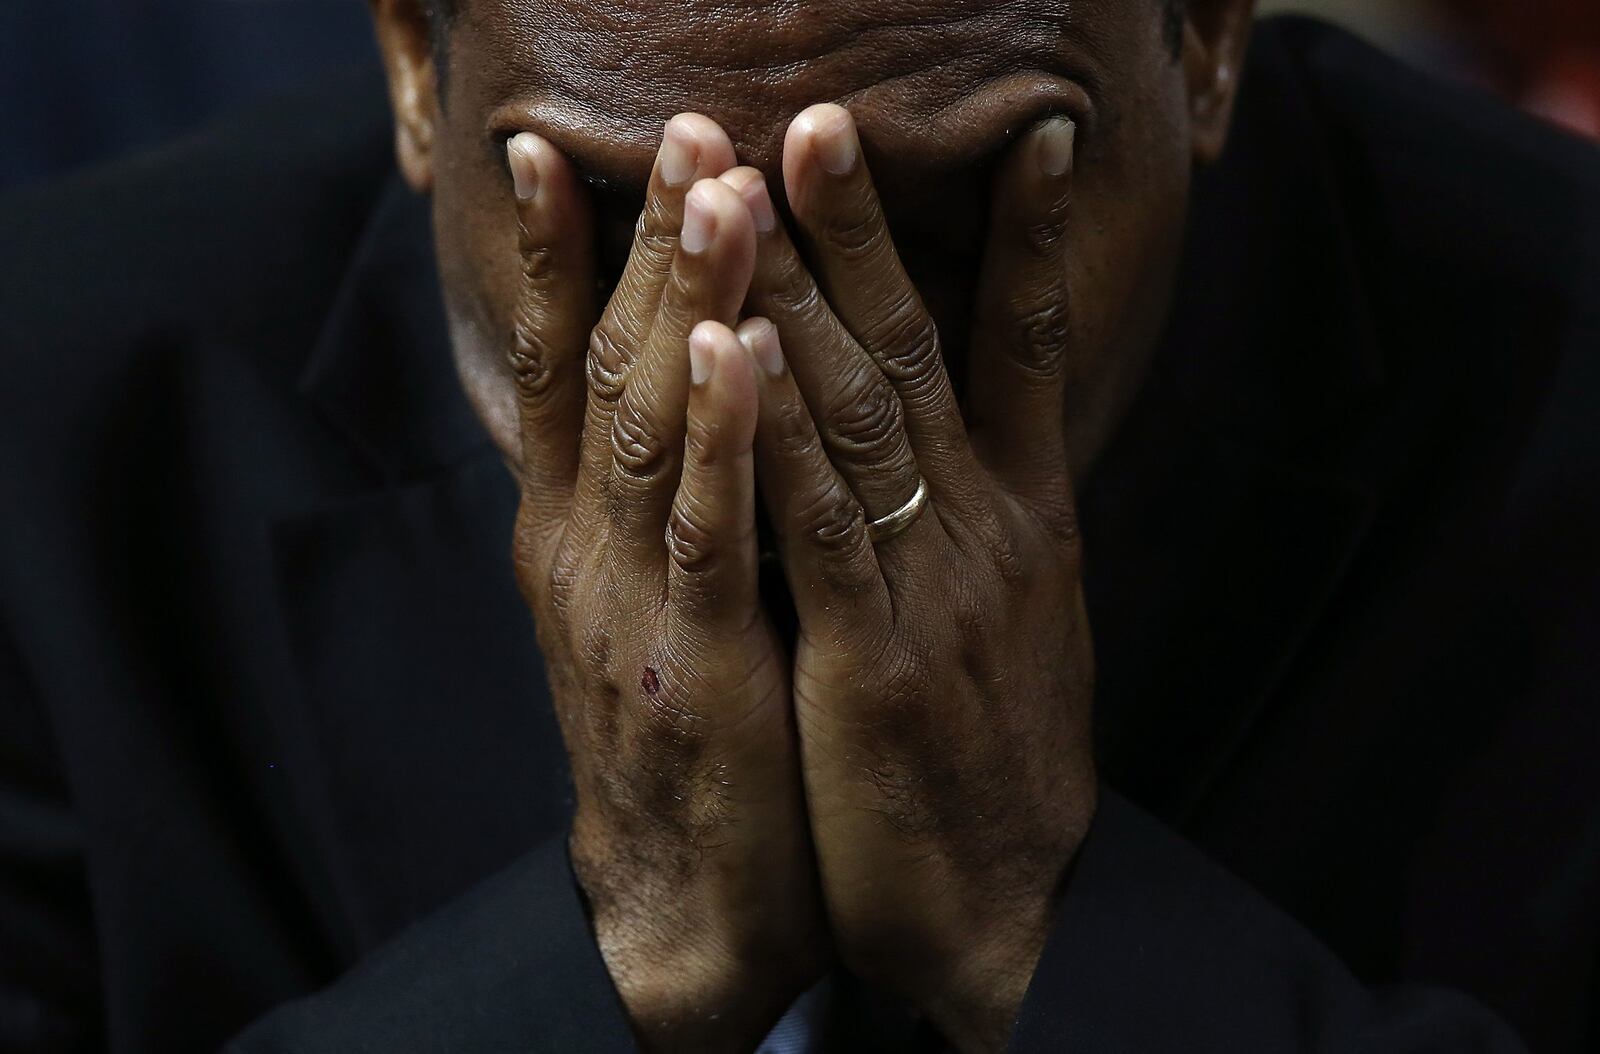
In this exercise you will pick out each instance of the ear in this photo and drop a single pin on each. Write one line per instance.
(405, 39)
(1214, 37)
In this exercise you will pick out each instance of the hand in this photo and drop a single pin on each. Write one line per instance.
(635, 545)
(942, 676)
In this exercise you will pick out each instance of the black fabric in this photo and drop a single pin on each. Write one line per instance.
(509, 966)
(1155, 950)
(277, 764)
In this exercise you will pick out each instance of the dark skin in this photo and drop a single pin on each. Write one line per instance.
(903, 791)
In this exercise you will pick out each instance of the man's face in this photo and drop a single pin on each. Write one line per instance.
(938, 88)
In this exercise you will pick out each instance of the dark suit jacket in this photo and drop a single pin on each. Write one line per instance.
(276, 746)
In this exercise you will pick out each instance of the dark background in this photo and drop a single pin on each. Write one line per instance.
(83, 80)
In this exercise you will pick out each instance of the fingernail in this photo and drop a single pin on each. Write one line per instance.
(759, 202)
(522, 158)
(834, 140)
(702, 355)
(1056, 138)
(698, 222)
(760, 339)
(677, 155)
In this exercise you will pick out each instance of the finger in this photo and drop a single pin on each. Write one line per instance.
(709, 279)
(853, 255)
(711, 539)
(858, 414)
(693, 147)
(832, 570)
(1017, 399)
(552, 318)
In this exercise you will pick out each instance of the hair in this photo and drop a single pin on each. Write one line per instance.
(1173, 12)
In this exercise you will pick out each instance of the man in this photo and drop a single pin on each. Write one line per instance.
(282, 770)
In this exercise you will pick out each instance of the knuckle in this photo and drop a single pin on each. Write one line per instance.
(625, 324)
(972, 610)
(655, 235)
(538, 542)
(530, 358)
(1063, 521)
(1043, 327)
(834, 521)
(691, 542)
(992, 534)
(607, 366)
(700, 443)
(864, 425)
(1007, 558)
(1044, 238)
(540, 272)
(548, 576)
(904, 340)
(637, 448)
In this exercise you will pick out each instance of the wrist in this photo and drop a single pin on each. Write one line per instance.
(976, 1006)
(978, 996)
(689, 975)
(687, 999)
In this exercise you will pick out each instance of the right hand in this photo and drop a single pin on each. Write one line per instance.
(636, 546)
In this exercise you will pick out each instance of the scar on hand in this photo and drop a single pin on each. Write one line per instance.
(650, 682)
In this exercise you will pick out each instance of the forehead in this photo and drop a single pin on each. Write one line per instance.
(927, 79)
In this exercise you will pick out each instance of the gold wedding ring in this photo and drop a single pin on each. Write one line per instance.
(886, 527)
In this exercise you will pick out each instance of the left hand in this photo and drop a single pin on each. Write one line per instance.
(942, 676)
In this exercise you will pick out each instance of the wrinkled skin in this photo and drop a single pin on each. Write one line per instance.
(905, 792)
